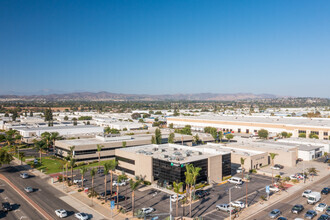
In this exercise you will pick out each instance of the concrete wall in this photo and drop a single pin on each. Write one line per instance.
(215, 169)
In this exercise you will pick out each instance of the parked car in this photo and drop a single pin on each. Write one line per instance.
(320, 207)
(202, 193)
(225, 208)
(273, 189)
(147, 210)
(24, 175)
(325, 191)
(274, 213)
(115, 183)
(282, 218)
(6, 206)
(61, 213)
(78, 181)
(82, 216)
(277, 167)
(240, 170)
(120, 198)
(324, 217)
(99, 171)
(297, 209)
(28, 189)
(174, 197)
(102, 194)
(328, 211)
(238, 204)
(306, 193)
(310, 214)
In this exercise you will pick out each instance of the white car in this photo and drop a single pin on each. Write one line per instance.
(273, 189)
(81, 216)
(78, 181)
(28, 189)
(24, 175)
(240, 170)
(275, 168)
(147, 210)
(320, 207)
(115, 183)
(238, 204)
(61, 213)
(174, 198)
(306, 193)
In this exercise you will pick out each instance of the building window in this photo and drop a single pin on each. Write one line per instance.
(247, 131)
(315, 132)
(302, 132)
(239, 130)
(325, 133)
(132, 172)
(126, 160)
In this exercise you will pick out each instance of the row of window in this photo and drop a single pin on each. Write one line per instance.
(313, 132)
(126, 160)
(132, 172)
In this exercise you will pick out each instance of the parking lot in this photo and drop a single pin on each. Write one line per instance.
(205, 207)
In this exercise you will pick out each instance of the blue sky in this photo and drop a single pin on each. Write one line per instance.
(165, 47)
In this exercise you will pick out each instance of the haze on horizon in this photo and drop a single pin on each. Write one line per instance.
(165, 47)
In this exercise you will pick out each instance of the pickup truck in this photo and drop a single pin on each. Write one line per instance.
(225, 208)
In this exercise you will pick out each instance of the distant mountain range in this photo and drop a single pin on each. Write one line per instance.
(107, 96)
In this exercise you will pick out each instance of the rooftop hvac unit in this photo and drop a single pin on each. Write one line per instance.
(200, 153)
(165, 156)
(163, 150)
(155, 149)
(148, 153)
(175, 148)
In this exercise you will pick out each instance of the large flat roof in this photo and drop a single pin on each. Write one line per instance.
(57, 128)
(317, 122)
(174, 152)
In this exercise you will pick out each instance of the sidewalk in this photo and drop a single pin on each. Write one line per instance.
(256, 208)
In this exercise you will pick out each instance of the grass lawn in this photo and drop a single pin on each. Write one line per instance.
(49, 165)
(96, 164)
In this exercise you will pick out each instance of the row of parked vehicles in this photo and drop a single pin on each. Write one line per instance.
(312, 199)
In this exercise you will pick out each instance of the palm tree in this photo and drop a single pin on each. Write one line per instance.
(247, 177)
(272, 156)
(177, 187)
(189, 180)
(93, 172)
(106, 172)
(195, 174)
(54, 137)
(46, 137)
(72, 163)
(67, 161)
(133, 186)
(196, 139)
(112, 166)
(39, 146)
(99, 148)
(82, 170)
(9, 140)
(312, 172)
(21, 155)
(242, 164)
(71, 151)
(121, 178)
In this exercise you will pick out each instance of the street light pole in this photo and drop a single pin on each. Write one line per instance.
(230, 199)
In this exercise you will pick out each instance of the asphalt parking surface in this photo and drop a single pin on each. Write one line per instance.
(205, 207)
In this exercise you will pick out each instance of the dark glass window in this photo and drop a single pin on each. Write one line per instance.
(125, 160)
(125, 170)
(226, 165)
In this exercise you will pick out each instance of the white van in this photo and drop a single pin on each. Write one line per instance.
(313, 197)
(235, 180)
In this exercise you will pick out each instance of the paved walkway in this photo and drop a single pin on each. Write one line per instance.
(256, 208)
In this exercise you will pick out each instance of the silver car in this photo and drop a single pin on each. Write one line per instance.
(275, 213)
(28, 189)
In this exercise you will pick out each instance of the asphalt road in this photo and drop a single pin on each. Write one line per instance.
(48, 198)
(286, 205)
(21, 208)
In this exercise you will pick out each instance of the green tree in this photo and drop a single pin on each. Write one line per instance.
(5, 157)
(229, 137)
(83, 171)
(46, 136)
(272, 156)
(284, 134)
(312, 172)
(72, 163)
(106, 169)
(54, 136)
(39, 146)
(196, 139)
(171, 126)
(66, 118)
(262, 133)
(302, 135)
(92, 172)
(242, 164)
(14, 115)
(74, 121)
(112, 166)
(123, 144)
(121, 178)
(315, 136)
(153, 139)
(31, 113)
(21, 156)
(99, 149)
(177, 187)
(158, 136)
(136, 116)
(133, 185)
(171, 138)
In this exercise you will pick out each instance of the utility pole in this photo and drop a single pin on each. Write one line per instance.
(171, 208)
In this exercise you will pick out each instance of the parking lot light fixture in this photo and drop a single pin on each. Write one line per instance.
(237, 187)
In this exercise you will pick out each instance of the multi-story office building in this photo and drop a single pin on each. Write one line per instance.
(167, 162)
